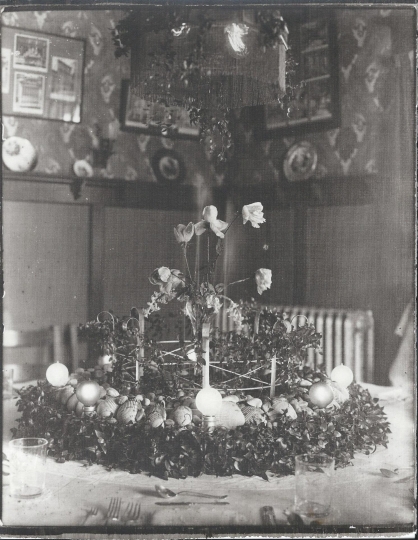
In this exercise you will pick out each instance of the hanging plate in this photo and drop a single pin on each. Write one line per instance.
(300, 162)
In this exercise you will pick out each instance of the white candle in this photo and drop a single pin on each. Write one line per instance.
(205, 346)
(273, 377)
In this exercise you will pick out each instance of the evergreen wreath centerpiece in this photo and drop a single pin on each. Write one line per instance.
(244, 401)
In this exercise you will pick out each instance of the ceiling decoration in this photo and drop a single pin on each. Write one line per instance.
(207, 60)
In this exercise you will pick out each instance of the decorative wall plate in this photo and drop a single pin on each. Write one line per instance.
(300, 162)
(168, 166)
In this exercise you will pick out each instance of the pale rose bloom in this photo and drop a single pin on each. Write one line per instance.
(212, 301)
(160, 275)
(184, 233)
(175, 280)
(263, 279)
(210, 220)
(254, 214)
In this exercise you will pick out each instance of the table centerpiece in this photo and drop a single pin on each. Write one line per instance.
(239, 402)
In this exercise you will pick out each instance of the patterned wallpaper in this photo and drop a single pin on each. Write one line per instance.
(367, 39)
(59, 144)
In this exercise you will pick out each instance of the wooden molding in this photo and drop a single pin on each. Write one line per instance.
(106, 192)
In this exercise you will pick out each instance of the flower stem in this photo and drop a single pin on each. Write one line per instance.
(226, 230)
(187, 262)
(239, 281)
(229, 226)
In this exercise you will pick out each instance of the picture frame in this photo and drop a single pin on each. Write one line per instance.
(44, 75)
(312, 102)
(31, 52)
(141, 116)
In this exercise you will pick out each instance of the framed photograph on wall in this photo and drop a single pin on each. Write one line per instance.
(28, 93)
(137, 114)
(312, 100)
(43, 74)
(31, 52)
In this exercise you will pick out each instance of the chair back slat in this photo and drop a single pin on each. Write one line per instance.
(30, 338)
(52, 344)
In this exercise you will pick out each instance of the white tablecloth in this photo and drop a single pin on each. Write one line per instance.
(362, 495)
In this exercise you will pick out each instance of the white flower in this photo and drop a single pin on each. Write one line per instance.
(263, 279)
(160, 275)
(210, 220)
(174, 282)
(254, 214)
(184, 233)
(212, 301)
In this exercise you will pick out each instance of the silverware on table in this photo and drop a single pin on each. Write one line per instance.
(90, 512)
(132, 512)
(168, 493)
(114, 509)
(268, 517)
(214, 503)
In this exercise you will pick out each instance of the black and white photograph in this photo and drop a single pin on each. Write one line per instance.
(42, 72)
(29, 93)
(64, 78)
(208, 264)
(31, 53)
(144, 116)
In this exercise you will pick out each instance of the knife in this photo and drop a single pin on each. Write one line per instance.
(215, 503)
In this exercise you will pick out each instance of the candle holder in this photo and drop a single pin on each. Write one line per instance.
(208, 422)
(89, 411)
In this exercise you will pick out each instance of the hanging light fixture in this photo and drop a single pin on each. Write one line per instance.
(206, 58)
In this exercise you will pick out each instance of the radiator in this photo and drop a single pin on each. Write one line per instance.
(347, 337)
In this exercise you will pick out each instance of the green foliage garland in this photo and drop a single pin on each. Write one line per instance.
(357, 425)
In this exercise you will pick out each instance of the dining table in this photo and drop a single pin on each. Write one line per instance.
(366, 497)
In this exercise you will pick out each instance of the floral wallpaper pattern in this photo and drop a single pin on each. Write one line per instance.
(367, 40)
(60, 144)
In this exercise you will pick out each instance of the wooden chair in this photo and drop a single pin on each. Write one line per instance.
(30, 352)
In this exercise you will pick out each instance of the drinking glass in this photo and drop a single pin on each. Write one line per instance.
(7, 383)
(27, 467)
(314, 482)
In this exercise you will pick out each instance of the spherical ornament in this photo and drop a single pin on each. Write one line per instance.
(321, 394)
(19, 155)
(88, 392)
(342, 375)
(209, 401)
(57, 374)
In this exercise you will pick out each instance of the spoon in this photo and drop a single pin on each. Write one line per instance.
(166, 493)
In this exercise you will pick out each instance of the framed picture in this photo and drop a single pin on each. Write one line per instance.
(28, 93)
(42, 75)
(312, 100)
(31, 52)
(137, 114)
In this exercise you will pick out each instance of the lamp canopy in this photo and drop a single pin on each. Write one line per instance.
(208, 58)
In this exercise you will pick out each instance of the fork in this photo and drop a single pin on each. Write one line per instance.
(90, 512)
(114, 509)
(132, 512)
